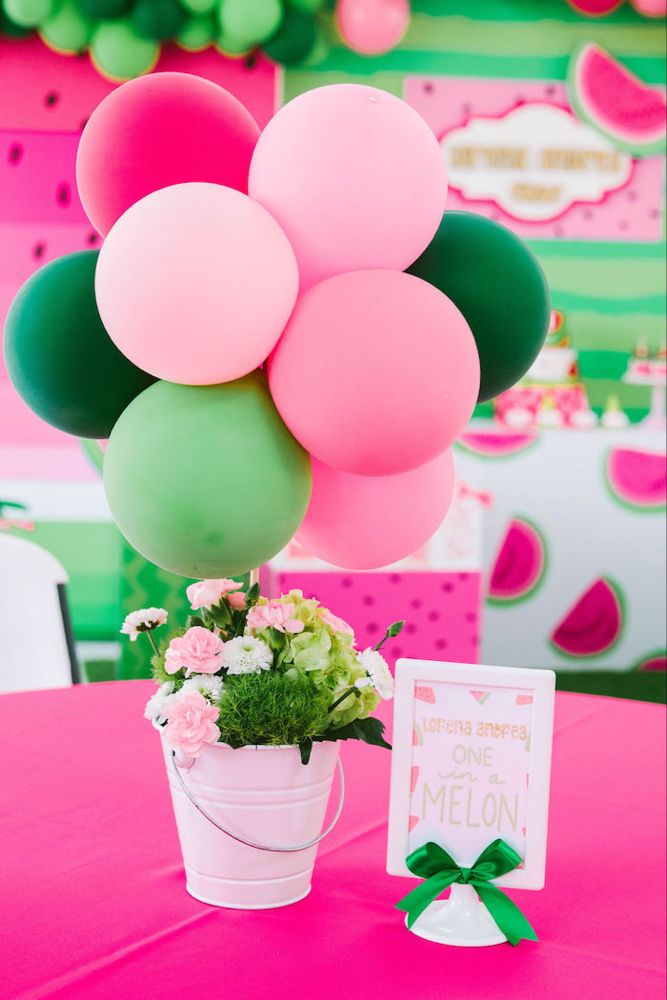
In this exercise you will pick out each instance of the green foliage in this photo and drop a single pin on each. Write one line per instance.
(369, 730)
(271, 709)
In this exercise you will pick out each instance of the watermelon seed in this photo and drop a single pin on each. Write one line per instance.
(38, 250)
(15, 153)
(63, 195)
(51, 99)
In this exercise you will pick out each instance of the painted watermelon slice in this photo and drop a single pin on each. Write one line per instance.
(654, 662)
(637, 479)
(595, 8)
(490, 444)
(520, 563)
(594, 625)
(616, 103)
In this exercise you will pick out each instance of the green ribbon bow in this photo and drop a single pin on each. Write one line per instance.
(433, 863)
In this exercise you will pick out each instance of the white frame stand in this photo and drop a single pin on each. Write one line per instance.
(461, 920)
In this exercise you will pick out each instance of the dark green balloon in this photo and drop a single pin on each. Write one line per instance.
(59, 356)
(206, 480)
(100, 10)
(498, 285)
(158, 19)
(294, 40)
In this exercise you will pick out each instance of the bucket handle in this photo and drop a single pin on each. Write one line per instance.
(249, 843)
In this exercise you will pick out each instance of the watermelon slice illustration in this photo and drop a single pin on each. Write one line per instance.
(488, 444)
(637, 479)
(616, 103)
(593, 626)
(654, 662)
(424, 694)
(520, 564)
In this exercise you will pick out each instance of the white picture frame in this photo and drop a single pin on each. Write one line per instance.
(451, 740)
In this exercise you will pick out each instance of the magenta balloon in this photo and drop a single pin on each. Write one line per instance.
(377, 372)
(372, 26)
(354, 176)
(195, 284)
(362, 522)
(159, 130)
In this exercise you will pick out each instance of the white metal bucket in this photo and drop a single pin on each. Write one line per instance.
(264, 796)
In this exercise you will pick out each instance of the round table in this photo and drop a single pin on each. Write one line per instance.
(93, 901)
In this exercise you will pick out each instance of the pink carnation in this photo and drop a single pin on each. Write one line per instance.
(274, 615)
(191, 723)
(335, 623)
(198, 652)
(208, 593)
(237, 601)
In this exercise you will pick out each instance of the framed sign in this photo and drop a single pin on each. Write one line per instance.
(471, 763)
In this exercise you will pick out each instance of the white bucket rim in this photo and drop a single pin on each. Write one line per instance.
(248, 746)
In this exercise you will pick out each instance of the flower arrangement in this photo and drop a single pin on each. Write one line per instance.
(249, 671)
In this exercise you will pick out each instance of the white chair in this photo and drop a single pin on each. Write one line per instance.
(36, 643)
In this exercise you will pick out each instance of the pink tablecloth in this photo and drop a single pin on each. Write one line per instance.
(93, 904)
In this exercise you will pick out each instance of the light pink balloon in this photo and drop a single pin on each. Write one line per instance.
(159, 130)
(354, 176)
(362, 522)
(651, 8)
(195, 283)
(377, 372)
(372, 26)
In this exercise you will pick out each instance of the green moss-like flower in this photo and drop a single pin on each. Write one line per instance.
(271, 709)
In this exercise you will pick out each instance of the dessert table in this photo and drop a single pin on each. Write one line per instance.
(93, 901)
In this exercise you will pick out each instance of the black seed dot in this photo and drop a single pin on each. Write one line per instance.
(550, 91)
(52, 98)
(250, 61)
(433, 616)
(369, 600)
(428, 87)
(15, 154)
(39, 250)
(63, 194)
(92, 239)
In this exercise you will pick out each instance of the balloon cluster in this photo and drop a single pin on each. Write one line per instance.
(249, 337)
(124, 37)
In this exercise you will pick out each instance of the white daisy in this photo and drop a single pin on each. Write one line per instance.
(156, 703)
(208, 685)
(143, 620)
(377, 673)
(246, 655)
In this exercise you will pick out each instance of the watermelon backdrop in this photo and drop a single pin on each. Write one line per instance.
(610, 282)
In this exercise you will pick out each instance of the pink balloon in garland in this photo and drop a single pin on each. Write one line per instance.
(362, 522)
(372, 26)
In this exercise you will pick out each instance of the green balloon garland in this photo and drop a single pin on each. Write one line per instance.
(124, 36)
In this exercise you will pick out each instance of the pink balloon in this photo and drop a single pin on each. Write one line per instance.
(377, 372)
(159, 130)
(354, 176)
(362, 522)
(195, 283)
(372, 26)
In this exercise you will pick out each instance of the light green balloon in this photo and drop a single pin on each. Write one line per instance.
(200, 6)
(28, 13)
(251, 23)
(119, 53)
(67, 30)
(230, 46)
(197, 33)
(206, 481)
